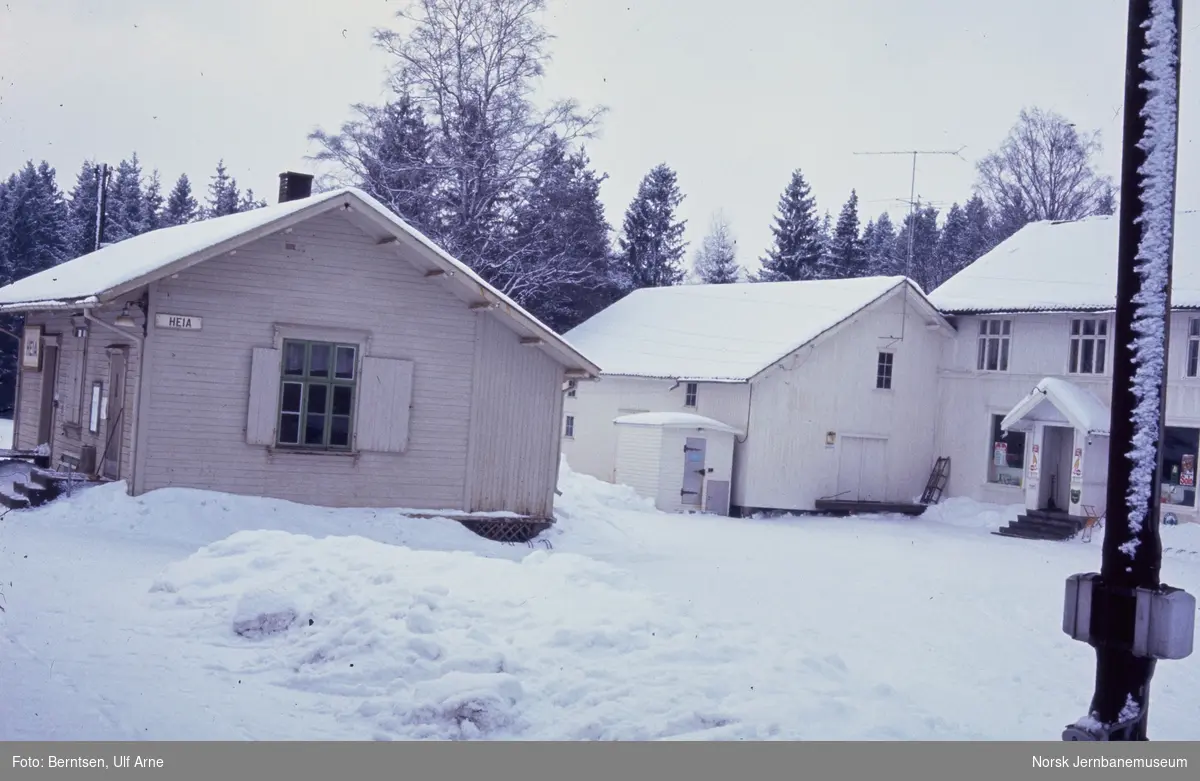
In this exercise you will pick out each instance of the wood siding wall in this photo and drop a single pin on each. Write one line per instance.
(829, 385)
(515, 430)
(333, 276)
(639, 460)
(74, 400)
(593, 450)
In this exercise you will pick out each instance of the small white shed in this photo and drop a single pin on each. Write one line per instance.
(684, 462)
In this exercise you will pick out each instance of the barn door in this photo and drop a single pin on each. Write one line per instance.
(693, 470)
(862, 470)
(115, 414)
(850, 468)
(873, 471)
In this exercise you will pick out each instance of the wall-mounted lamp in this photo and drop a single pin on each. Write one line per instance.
(124, 320)
(81, 326)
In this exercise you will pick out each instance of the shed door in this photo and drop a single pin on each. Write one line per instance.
(862, 469)
(113, 441)
(693, 470)
(49, 400)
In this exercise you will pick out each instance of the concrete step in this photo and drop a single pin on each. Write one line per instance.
(1056, 527)
(13, 500)
(36, 494)
(1027, 534)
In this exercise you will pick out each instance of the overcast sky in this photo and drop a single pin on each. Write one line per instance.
(732, 95)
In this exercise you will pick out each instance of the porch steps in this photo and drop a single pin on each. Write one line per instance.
(1043, 525)
(842, 507)
(39, 487)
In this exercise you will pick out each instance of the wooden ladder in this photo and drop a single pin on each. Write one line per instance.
(937, 481)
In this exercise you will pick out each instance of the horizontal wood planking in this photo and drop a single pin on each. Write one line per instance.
(339, 278)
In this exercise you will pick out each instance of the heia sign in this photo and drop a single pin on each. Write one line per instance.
(179, 322)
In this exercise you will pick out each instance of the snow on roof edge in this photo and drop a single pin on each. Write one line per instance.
(675, 420)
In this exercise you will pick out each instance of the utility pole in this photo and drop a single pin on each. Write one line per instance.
(1125, 612)
(102, 173)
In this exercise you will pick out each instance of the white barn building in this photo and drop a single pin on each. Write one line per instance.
(831, 384)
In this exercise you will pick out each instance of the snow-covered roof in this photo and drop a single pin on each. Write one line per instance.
(675, 420)
(725, 332)
(1082, 408)
(1064, 266)
(120, 268)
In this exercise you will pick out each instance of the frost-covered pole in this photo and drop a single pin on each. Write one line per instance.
(1125, 612)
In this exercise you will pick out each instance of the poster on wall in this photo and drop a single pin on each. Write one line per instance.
(1077, 466)
(1000, 454)
(1187, 470)
(1034, 456)
(31, 348)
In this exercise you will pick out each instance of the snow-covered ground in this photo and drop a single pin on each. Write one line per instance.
(189, 615)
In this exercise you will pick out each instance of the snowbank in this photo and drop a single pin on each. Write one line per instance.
(6, 433)
(970, 514)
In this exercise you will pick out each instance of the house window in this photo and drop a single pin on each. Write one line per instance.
(572, 386)
(1193, 347)
(1089, 345)
(883, 371)
(994, 336)
(689, 395)
(1179, 448)
(569, 428)
(1006, 455)
(316, 401)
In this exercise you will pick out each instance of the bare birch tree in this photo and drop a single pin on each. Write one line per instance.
(1044, 170)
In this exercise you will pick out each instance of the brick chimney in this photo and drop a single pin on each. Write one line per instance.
(294, 186)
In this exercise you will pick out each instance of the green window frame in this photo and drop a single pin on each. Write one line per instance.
(317, 393)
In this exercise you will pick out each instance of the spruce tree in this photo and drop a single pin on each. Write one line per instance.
(36, 230)
(249, 202)
(652, 245)
(81, 209)
(181, 205)
(979, 235)
(561, 257)
(951, 254)
(879, 241)
(125, 209)
(925, 233)
(716, 259)
(153, 203)
(847, 249)
(797, 251)
(223, 195)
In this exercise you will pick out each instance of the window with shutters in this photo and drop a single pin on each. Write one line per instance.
(317, 395)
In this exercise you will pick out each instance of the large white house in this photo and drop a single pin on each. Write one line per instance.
(852, 389)
(1026, 383)
(831, 384)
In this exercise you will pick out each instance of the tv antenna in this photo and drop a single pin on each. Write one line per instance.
(912, 210)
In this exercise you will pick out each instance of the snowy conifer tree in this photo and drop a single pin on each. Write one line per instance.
(797, 251)
(81, 210)
(716, 259)
(153, 203)
(979, 235)
(922, 268)
(181, 204)
(847, 249)
(125, 210)
(951, 256)
(248, 202)
(223, 195)
(560, 256)
(388, 152)
(879, 241)
(651, 244)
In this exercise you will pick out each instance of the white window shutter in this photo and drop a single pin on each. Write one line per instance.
(384, 405)
(263, 414)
